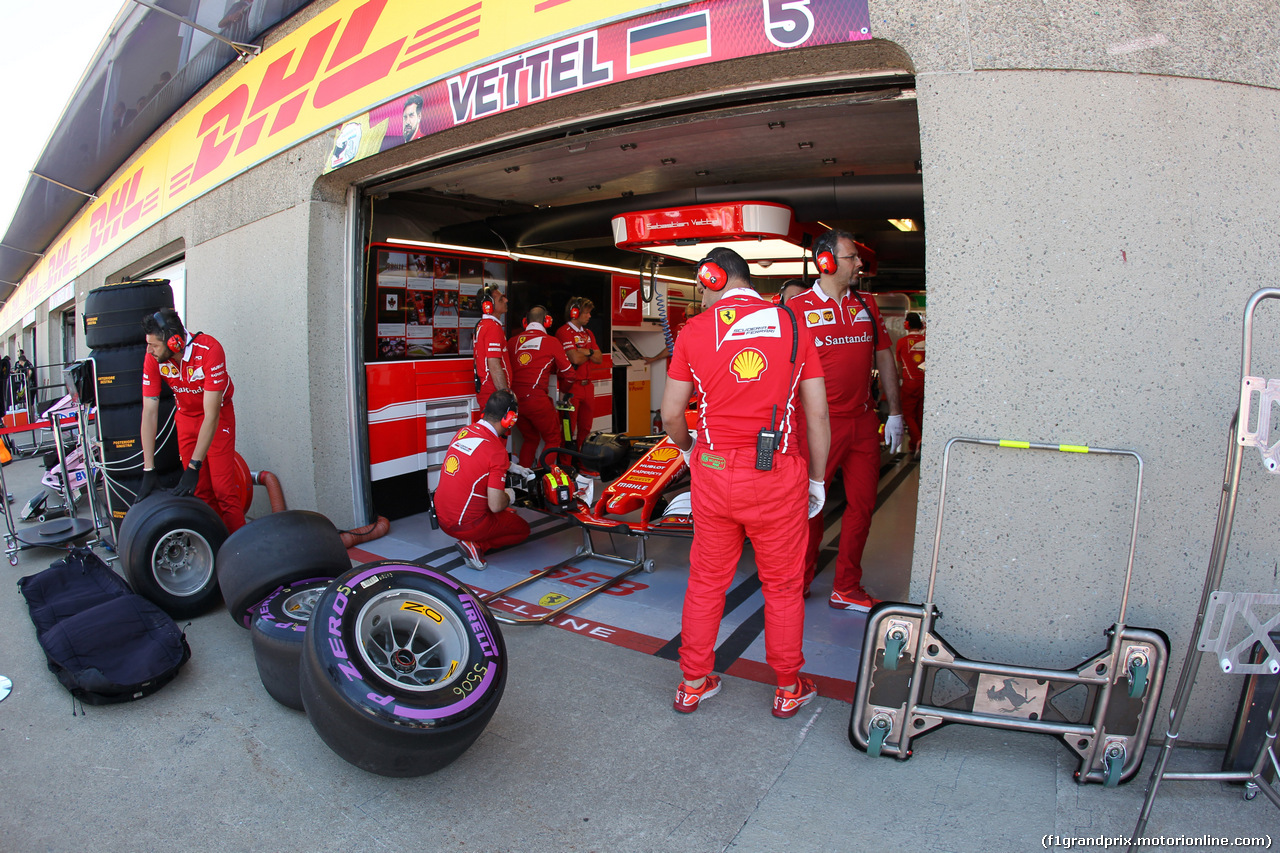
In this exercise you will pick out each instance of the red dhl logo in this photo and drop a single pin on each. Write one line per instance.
(336, 62)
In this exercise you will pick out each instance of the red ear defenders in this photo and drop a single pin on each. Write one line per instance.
(486, 300)
(826, 262)
(175, 343)
(711, 275)
(510, 418)
(546, 320)
(575, 310)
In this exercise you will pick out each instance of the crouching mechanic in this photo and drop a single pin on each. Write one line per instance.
(749, 361)
(472, 503)
(533, 353)
(195, 367)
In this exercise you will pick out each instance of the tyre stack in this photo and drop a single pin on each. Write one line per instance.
(113, 330)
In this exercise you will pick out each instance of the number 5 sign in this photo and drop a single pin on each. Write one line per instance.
(788, 23)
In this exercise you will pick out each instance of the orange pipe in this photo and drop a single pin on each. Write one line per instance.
(272, 484)
(352, 538)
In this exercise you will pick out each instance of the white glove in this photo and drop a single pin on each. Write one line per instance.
(893, 430)
(511, 496)
(520, 471)
(817, 497)
(693, 442)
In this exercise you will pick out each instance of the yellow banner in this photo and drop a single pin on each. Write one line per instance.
(349, 57)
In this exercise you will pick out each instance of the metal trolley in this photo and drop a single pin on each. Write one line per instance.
(902, 657)
(1222, 613)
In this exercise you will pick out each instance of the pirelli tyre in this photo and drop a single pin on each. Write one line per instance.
(402, 668)
(279, 626)
(121, 430)
(118, 375)
(274, 551)
(167, 547)
(113, 313)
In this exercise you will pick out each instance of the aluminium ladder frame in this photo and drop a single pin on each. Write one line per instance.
(1204, 637)
(888, 710)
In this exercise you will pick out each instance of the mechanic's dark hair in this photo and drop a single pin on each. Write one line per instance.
(164, 324)
(499, 403)
(732, 263)
(913, 321)
(792, 282)
(827, 242)
(413, 99)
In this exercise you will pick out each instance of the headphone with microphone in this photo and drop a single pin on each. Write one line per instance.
(824, 254)
(176, 342)
(575, 308)
(544, 323)
(487, 302)
(509, 419)
(711, 275)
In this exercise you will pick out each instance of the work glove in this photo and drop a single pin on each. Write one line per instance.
(511, 497)
(190, 477)
(520, 471)
(817, 497)
(148, 484)
(893, 430)
(693, 442)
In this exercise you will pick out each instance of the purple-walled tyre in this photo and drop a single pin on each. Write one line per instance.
(274, 551)
(278, 629)
(402, 667)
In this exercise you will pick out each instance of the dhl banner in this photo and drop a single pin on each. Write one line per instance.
(361, 52)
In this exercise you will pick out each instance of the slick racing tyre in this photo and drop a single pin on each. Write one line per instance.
(402, 668)
(167, 547)
(113, 313)
(118, 375)
(274, 551)
(279, 626)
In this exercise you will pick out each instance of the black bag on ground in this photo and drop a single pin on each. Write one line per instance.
(104, 643)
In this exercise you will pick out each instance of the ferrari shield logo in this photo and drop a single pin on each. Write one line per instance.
(727, 315)
(551, 599)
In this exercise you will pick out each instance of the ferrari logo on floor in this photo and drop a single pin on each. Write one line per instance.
(551, 599)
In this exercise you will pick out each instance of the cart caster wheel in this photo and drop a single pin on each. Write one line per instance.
(13, 561)
(1114, 762)
(1138, 679)
(648, 567)
(1250, 790)
(893, 650)
(877, 731)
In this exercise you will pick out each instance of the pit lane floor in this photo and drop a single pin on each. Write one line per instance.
(583, 754)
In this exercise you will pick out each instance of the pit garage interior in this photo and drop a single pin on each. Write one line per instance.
(841, 154)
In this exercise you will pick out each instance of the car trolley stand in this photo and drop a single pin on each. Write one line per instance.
(902, 657)
(586, 551)
(1220, 612)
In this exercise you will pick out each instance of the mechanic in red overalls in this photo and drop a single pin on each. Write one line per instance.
(493, 367)
(582, 350)
(751, 368)
(195, 367)
(533, 355)
(851, 340)
(472, 503)
(909, 351)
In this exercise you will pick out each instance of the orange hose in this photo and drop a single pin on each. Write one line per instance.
(272, 484)
(352, 538)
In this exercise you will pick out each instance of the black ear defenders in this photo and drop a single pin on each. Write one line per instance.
(824, 256)
(711, 275)
(175, 343)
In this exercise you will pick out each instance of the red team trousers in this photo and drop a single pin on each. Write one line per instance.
(494, 530)
(770, 507)
(855, 451)
(219, 485)
(539, 421)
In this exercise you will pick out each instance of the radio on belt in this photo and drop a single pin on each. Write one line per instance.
(767, 441)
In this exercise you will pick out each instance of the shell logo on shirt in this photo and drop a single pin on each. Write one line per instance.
(451, 464)
(748, 365)
(169, 370)
(825, 317)
(524, 358)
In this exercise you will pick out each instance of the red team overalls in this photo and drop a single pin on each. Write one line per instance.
(842, 334)
(577, 382)
(533, 353)
(491, 342)
(475, 462)
(203, 367)
(910, 353)
(738, 357)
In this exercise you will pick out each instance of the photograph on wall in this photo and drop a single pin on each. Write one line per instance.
(444, 341)
(391, 343)
(472, 272)
(445, 269)
(392, 268)
(466, 340)
(420, 272)
(495, 272)
(419, 306)
(418, 341)
(392, 308)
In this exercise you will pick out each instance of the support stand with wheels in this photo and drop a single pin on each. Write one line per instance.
(900, 695)
(585, 552)
(1257, 396)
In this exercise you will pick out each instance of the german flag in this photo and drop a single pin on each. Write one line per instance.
(668, 42)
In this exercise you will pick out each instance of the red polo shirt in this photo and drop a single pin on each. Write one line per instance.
(490, 343)
(533, 352)
(910, 352)
(574, 336)
(475, 462)
(738, 356)
(842, 334)
(202, 367)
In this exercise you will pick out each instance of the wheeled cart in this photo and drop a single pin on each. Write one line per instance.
(1236, 628)
(911, 681)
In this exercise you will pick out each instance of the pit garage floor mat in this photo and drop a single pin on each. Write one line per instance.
(643, 612)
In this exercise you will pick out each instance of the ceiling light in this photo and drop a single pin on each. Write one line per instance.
(557, 179)
(828, 161)
(702, 173)
(805, 145)
(511, 169)
(849, 174)
(536, 259)
(594, 187)
(628, 146)
(905, 224)
(777, 125)
(668, 161)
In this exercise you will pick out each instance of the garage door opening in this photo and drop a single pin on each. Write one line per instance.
(536, 219)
